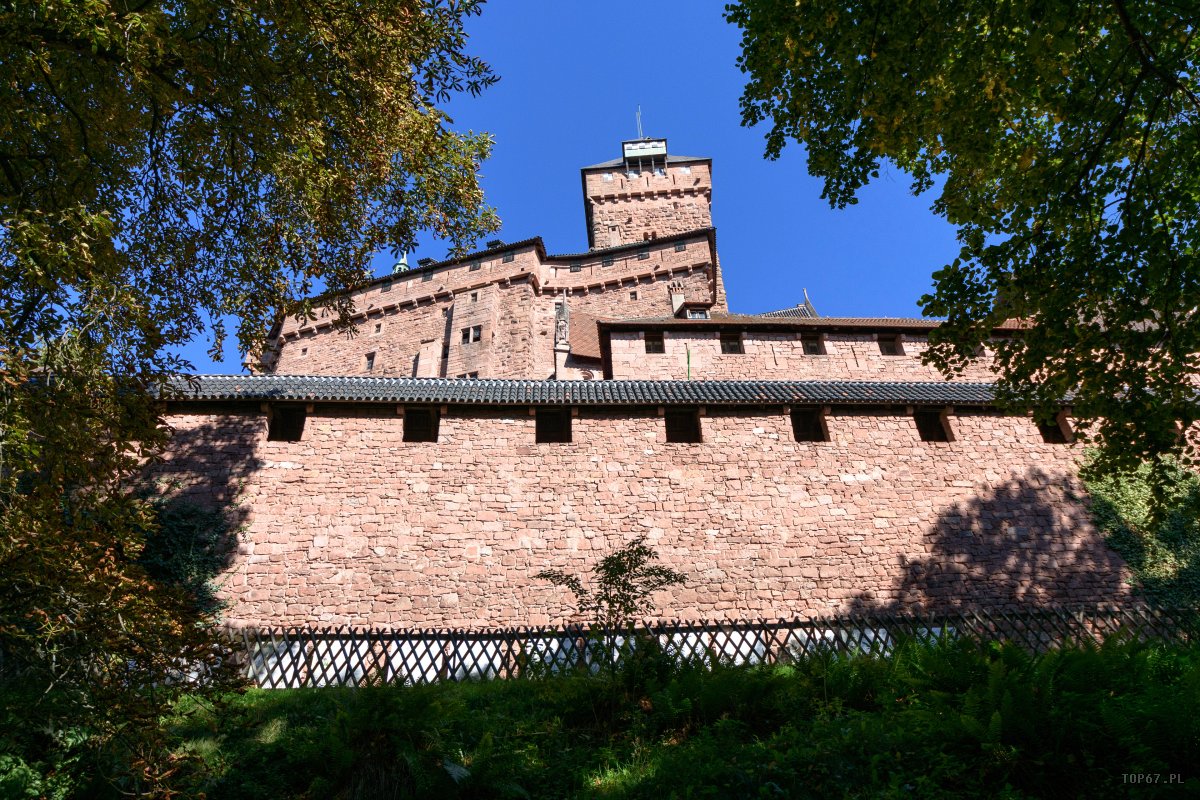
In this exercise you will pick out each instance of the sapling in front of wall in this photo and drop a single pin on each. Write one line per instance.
(623, 583)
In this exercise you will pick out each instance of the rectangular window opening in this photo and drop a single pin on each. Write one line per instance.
(607, 261)
(475, 266)
(576, 267)
(697, 313)
(474, 297)
(286, 424)
(643, 253)
(553, 424)
(933, 426)
(421, 424)
(428, 276)
(808, 425)
(379, 327)
(680, 247)
(386, 287)
(813, 344)
(654, 342)
(633, 295)
(369, 362)
(890, 345)
(683, 425)
(731, 342)
(1057, 431)
(508, 258)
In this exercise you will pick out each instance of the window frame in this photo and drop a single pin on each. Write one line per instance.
(809, 421)
(933, 425)
(553, 426)
(682, 425)
(732, 343)
(427, 434)
(286, 423)
(655, 342)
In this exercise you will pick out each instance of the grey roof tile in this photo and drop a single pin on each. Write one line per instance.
(348, 389)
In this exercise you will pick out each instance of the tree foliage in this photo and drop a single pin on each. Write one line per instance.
(623, 580)
(165, 165)
(1063, 138)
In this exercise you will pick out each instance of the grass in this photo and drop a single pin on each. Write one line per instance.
(949, 720)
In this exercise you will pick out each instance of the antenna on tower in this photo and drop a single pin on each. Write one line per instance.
(639, 121)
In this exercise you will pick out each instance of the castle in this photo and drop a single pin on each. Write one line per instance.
(513, 410)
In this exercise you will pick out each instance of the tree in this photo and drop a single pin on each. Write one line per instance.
(624, 581)
(1064, 141)
(165, 164)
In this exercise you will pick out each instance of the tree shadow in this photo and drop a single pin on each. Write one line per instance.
(1026, 543)
(194, 489)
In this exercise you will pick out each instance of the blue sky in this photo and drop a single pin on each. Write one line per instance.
(572, 75)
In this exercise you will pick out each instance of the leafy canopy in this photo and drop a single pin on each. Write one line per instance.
(165, 164)
(1063, 138)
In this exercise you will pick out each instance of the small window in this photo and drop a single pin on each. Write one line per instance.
(285, 424)
(475, 266)
(683, 425)
(933, 426)
(643, 253)
(731, 342)
(606, 176)
(369, 364)
(633, 295)
(428, 276)
(607, 261)
(680, 247)
(508, 258)
(808, 425)
(697, 313)
(472, 334)
(474, 297)
(813, 344)
(469, 375)
(890, 345)
(386, 286)
(379, 327)
(303, 351)
(421, 424)
(553, 424)
(1058, 431)
(659, 171)
(685, 170)
(654, 342)
(576, 267)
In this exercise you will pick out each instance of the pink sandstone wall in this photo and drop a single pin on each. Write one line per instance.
(628, 208)
(513, 302)
(777, 356)
(352, 525)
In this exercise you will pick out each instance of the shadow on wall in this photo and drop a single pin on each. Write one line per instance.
(208, 463)
(1028, 542)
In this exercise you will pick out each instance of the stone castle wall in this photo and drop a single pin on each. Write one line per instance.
(778, 356)
(413, 327)
(352, 525)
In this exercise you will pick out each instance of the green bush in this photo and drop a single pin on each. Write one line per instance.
(1156, 530)
(945, 720)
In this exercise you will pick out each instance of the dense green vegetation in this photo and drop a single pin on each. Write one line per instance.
(1158, 536)
(954, 720)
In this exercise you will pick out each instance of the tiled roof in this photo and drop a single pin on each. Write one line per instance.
(585, 336)
(792, 321)
(620, 162)
(302, 388)
(804, 310)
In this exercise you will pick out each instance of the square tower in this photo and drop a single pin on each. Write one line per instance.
(645, 194)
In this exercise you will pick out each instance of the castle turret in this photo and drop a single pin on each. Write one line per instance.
(645, 194)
